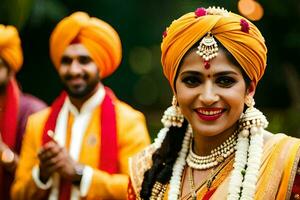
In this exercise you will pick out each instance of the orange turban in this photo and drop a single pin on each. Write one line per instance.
(239, 36)
(10, 47)
(100, 39)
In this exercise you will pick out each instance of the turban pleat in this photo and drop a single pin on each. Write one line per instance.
(247, 48)
(10, 47)
(100, 39)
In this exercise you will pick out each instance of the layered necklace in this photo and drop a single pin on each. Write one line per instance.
(217, 155)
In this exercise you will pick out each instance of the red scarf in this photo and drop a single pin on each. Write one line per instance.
(108, 152)
(8, 126)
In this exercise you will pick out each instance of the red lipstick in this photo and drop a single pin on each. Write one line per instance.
(209, 114)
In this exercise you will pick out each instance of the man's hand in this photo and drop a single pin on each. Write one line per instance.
(54, 158)
(8, 158)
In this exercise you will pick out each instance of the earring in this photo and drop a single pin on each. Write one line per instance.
(172, 116)
(253, 120)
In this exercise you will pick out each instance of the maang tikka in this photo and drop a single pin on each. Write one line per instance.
(172, 116)
(208, 47)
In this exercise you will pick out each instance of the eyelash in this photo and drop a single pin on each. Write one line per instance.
(191, 81)
(223, 81)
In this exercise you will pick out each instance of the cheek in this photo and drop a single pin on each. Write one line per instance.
(236, 100)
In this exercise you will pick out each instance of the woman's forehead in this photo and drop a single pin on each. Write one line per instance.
(193, 62)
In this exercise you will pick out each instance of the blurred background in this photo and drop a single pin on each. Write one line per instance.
(140, 24)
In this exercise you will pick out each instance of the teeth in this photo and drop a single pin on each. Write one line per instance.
(206, 112)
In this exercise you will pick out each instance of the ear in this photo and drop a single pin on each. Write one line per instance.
(251, 89)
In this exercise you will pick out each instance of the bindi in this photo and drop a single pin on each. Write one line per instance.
(206, 65)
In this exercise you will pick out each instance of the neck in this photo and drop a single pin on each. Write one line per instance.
(78, 102)
(204, 144)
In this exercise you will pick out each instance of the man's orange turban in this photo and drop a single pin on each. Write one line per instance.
(100, 39)
(10, 47)
(239, 36)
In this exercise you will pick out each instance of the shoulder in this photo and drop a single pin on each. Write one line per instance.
(126, 111)
(40, 116)
(276, 137)
(138, 165)
(30, 103)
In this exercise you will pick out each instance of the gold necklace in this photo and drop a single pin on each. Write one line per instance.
(208, 181)
(217, 156)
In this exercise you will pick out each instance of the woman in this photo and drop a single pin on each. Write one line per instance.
(209, 148)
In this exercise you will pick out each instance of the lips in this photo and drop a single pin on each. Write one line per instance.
(209, 114)
(75, 81)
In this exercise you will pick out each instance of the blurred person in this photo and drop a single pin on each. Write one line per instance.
(15, 107)
(79, 147)
(214, 144)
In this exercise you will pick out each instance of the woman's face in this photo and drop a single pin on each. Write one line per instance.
(212, 99)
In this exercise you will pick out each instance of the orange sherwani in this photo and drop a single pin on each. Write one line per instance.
(132, 136)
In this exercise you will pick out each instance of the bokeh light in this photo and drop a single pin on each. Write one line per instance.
(251, 9)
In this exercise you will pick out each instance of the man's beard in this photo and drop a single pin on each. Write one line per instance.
(82, 92)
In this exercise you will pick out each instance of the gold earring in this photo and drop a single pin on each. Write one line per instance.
(253, 120)
(172, 116)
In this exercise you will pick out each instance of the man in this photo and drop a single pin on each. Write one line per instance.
(15, 107)
(79, 147)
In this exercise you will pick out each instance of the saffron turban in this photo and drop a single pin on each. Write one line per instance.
(10, 47)
(239, 36)
(98, 37)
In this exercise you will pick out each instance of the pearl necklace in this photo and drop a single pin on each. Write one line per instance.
(217, 156)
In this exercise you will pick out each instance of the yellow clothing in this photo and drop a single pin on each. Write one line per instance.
(276, 176)
(132, 136)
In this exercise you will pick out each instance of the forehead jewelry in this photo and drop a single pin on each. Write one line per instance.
(207, 49)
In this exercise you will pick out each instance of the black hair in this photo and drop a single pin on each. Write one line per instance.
(163, 160)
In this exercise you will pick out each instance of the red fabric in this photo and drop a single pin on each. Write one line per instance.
(208, 194)
(8, 125)
(51, 121)
(296, 187)
(109, 150)
(130, 192)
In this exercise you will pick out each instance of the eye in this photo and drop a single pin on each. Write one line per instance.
(84, 60)
(191, 81)
(225, 81)
(65, 60)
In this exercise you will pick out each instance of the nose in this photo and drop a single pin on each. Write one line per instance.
(74, 68)
(208, 95)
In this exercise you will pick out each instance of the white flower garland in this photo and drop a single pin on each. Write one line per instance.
(242, 183)
(239, 165)
(253, 164)
(178, 167)
(160, 137)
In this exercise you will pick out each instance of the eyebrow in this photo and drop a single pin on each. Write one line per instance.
(197, 73)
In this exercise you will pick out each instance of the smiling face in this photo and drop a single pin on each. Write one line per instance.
(212, 100)
(78, 72)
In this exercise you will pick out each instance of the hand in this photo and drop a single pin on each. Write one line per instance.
(8, 158)
(54, 158)
(48, 157)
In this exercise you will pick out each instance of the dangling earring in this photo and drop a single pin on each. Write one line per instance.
(172, 116)
(253, 120)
